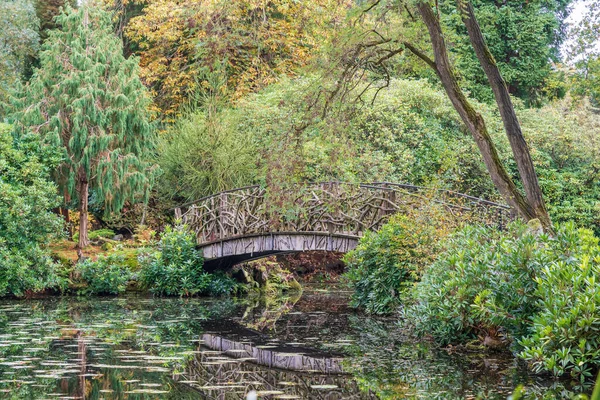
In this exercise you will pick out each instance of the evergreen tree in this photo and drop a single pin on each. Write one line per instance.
(523, 36)
(87, 99)
(47, 11)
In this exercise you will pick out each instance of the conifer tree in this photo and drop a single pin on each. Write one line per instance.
(47, 11)
(87, 99)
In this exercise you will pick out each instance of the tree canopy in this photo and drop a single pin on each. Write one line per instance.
(523, 37)
(256, 42)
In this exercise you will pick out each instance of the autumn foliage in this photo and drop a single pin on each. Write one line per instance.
(253, 41)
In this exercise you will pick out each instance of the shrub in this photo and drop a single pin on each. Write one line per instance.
(565, 338)
(27, 223)
(481, 286)
(105, 275)
(385, 261)
(204, 154)
(176, 268)
(100, 233)
(538, 292)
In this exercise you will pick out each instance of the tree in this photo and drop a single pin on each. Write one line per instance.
(87, 100)
(47, 11)
(523, 36)
(584, 53)
(374, 49)
(19, 41)
(256, 40)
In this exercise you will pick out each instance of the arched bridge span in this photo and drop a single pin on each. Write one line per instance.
(253, 222)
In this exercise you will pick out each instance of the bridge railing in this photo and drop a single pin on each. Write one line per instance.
(332, 207)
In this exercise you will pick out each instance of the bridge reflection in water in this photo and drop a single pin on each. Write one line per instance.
(231, 365)
(249, 223)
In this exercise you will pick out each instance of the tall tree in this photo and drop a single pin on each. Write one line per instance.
(376, 45)
(19, 41)
(584, 53)
(87, 99)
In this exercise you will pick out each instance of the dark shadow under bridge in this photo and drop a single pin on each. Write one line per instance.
(253, 222)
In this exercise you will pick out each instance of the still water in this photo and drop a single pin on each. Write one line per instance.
(301, 347)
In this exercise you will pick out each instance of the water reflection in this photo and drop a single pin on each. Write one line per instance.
(311, 347)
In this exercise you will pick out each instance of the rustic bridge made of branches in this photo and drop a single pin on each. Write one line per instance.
(253, 222)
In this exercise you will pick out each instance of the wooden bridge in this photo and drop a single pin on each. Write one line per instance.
(252, 222)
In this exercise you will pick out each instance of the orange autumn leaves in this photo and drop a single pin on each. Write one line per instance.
(252, 41)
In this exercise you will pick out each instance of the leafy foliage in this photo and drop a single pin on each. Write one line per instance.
(567, 157)
(100, 233)
(565, 338)
(258, 41)
(412, 134)
(388, 261)
(584, 53)
(106, 275)
(47, 11)
(176, 268)
(482, 285)
(524, 38)
(26, 221)
(206, 152)
(537, 292)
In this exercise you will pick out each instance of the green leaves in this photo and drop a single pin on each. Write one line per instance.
(26, 221)
(524, 38)
(19, 42)
(386, 262)
(176, 268)
(536, 292)
(106, 275)
(565, 337)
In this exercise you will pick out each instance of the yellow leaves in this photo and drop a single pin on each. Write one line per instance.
(258, 40)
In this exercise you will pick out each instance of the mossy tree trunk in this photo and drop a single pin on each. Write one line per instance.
(512, 127)
(83, 213)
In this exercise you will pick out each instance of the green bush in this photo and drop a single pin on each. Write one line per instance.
(93, 235)
(565, 338)
(27, 223)
(105, 275)
(204, 154)
(539, 293)
(176, 268)
(481, 286)
(388, 260)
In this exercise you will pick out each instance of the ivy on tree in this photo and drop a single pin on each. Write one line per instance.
(87, 100)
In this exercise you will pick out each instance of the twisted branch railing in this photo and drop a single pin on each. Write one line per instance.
(330, 207)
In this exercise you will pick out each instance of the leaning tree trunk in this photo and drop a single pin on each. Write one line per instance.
(471, 118)
(512, 127)
(83, 214)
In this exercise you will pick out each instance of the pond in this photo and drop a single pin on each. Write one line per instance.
(300, 347)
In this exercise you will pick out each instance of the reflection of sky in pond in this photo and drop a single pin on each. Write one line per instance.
(312, 347)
